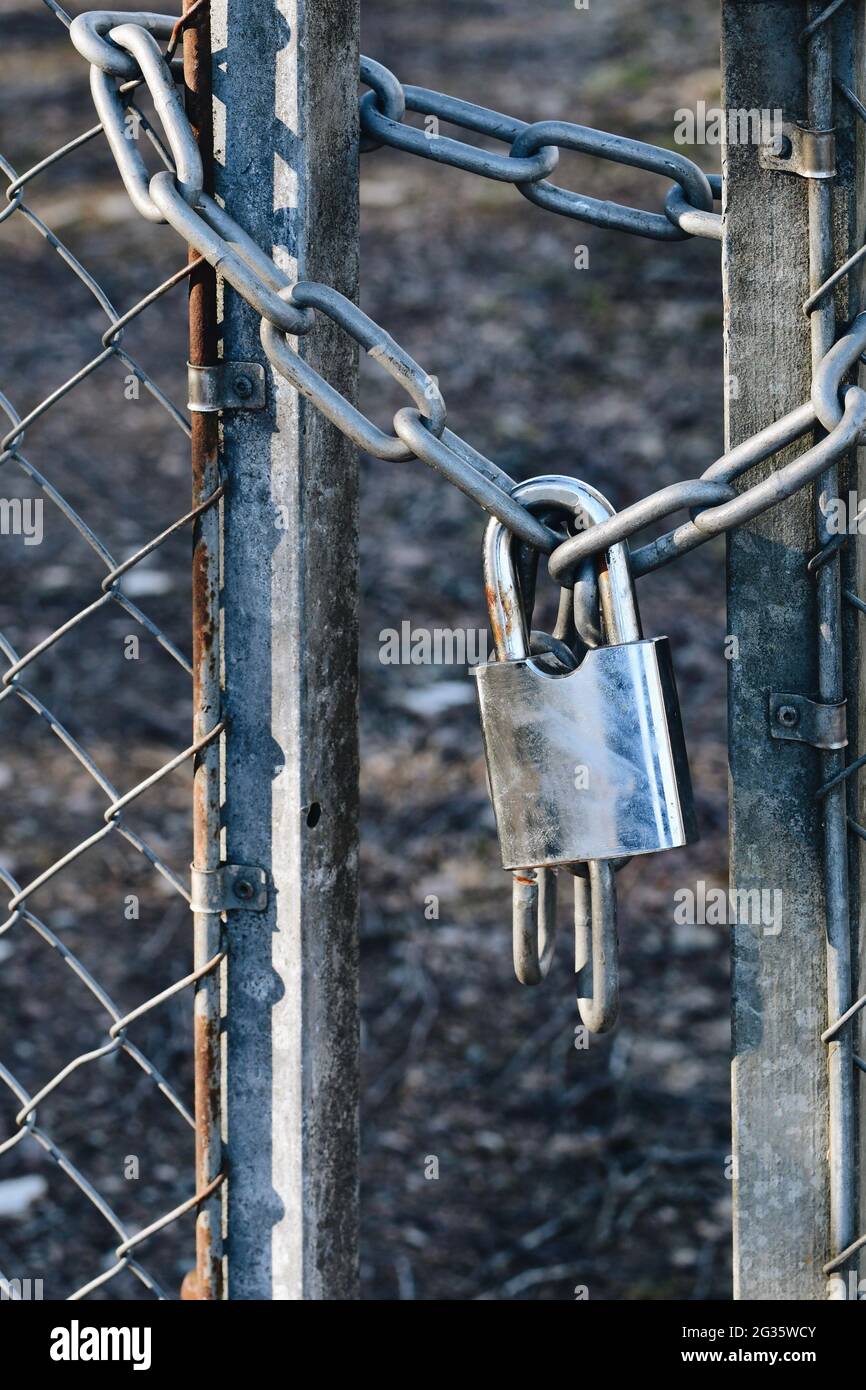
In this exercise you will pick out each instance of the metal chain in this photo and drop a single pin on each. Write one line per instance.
(120, 46)
(533, 154)
(123, 51)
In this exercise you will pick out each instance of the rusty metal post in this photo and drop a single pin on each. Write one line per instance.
(203, 352)
(286, 163)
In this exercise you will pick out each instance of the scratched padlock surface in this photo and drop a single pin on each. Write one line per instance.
(589, 765)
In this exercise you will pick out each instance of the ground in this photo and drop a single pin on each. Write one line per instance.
(500, 1161)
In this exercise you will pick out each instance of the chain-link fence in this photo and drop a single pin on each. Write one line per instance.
(118, 797)
(94, 867)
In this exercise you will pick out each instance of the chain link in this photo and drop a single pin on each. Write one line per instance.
(531, 168)
(534, 154)
(122, 46)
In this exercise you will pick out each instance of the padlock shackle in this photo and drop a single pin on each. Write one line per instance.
(504, 603)
(596, 947)
(533, 930)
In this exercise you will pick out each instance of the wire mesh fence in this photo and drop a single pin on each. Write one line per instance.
(107, 736)
(99, 694)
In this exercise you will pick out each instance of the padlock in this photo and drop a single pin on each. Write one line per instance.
(589, 764)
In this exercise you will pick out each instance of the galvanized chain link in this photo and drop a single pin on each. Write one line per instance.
(114, 43)
(715, 505)
(533, 154)
(121, 46)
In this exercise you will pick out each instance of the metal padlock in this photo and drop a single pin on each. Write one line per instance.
(590, 764)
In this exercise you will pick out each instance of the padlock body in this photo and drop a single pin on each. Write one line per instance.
(590, 764)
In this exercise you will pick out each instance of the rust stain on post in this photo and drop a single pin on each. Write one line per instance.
(206, 1282)
(189, 1292)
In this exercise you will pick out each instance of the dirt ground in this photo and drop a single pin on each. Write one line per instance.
(559, 1169)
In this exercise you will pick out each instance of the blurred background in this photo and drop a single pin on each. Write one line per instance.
(558, 1168)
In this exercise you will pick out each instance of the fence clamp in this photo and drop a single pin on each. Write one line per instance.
(229, 888)
(803, 721)
(227, 386)
(795, 149)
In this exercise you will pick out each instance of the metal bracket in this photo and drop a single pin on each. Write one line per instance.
(800, 720)
(227, 386)
(794, 149)
(230, 888)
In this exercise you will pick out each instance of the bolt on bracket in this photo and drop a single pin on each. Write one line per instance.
(226, 386)
(795, 149)
(795, 718)
(229, 888)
